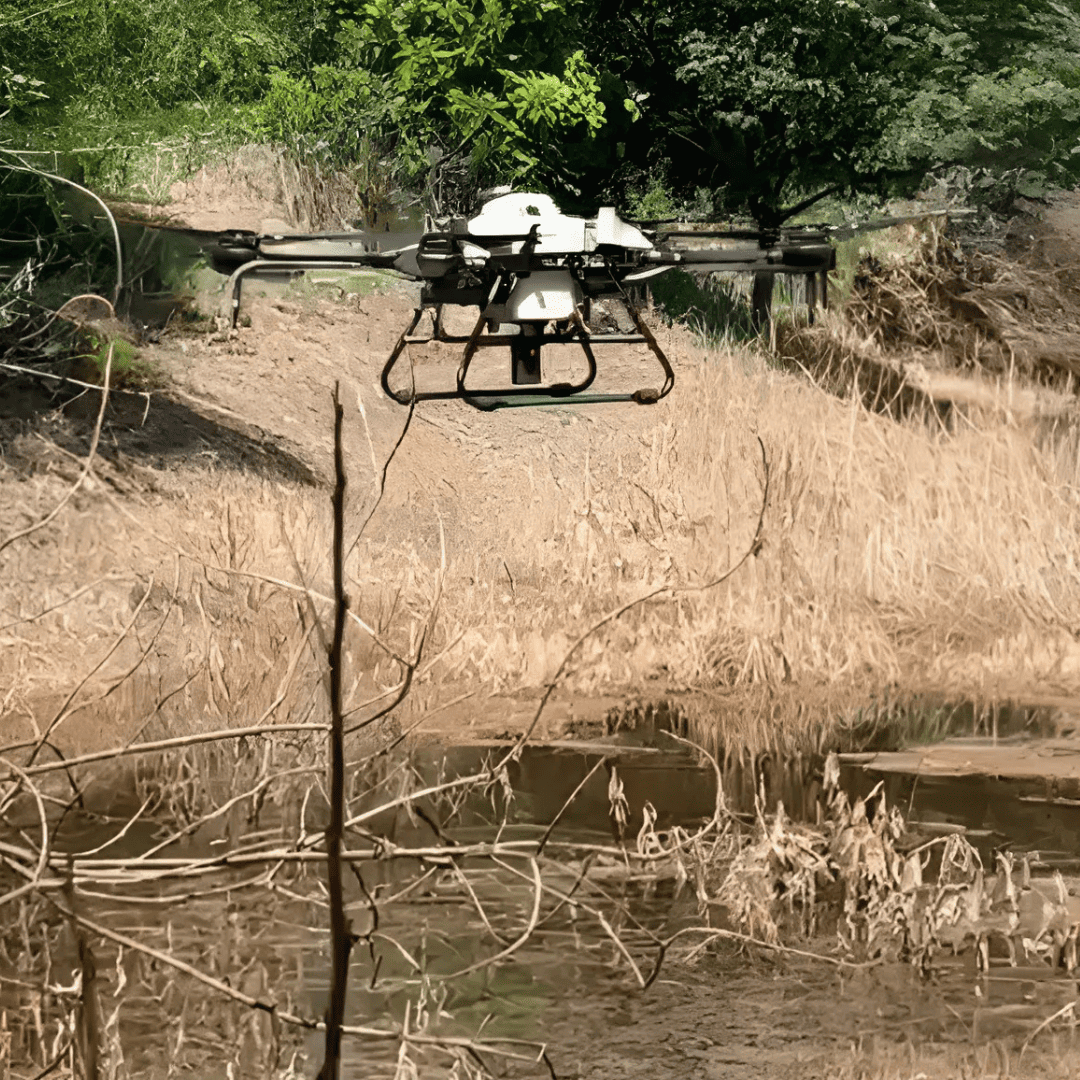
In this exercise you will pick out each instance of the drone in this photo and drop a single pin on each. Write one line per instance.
(534, 274)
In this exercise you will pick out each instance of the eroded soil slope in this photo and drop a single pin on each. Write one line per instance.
(167, 593)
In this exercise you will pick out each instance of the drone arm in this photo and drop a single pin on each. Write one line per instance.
(784, 258)
(236, 279)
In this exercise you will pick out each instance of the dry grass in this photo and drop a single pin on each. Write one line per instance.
(885, 1058)
(897, 555)
(258, 181)
(926, 325)
(894, 554)
(202, 639)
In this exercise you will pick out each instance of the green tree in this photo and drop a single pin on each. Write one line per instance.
(768, 102)
(999, 93)
(794, 96)
(505, 82)
(146, 53)
(749, 104)
(757, 101)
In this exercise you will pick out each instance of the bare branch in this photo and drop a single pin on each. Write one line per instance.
(341, 937)
(60, 603)
(43, 821)
(467, 886)
(534, 917)
(714, 934)
(566, 805)
(170, 744)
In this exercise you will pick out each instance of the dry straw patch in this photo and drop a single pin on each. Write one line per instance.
(258, 182)
(886, 894)
(928, 325)
(875, 532)
(896, 554)
(177, 614)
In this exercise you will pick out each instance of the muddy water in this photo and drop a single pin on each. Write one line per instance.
(997, 814)
(270, 942)
(727, 1015)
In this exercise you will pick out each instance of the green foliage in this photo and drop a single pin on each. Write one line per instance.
(768, 102)
(504, 82)
(127, 370)
(44, 249)
(128, 54)
(751, 104)
(18, 91)
(998, 94)
(650, 198)
(793, 96)
(1021, 127)
(652, 202)
(707, 303)
(112, 79)
(328, 114)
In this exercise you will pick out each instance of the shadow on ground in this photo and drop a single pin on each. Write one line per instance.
(155, 430)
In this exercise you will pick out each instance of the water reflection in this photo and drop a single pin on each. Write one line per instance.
(261, 930)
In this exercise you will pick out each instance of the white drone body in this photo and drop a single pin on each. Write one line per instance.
(550, 294)
(532, 272)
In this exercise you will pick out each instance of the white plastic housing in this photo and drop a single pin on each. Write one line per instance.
(517, 213)
(611, 229)
(543, 295)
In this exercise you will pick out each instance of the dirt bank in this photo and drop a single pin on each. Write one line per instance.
(167, 593)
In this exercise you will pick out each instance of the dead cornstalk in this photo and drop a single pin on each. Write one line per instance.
(341, 939)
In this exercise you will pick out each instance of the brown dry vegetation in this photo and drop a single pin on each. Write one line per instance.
(258, 187)
(910, 556)
(905, 551)
(929, 326)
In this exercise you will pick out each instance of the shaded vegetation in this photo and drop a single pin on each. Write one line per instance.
(684, 107)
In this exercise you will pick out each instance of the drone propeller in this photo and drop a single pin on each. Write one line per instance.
(534, 272)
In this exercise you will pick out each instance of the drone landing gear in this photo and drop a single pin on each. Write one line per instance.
(525, 367)
(525, 358)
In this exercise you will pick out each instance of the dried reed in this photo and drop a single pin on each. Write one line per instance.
(930, 310)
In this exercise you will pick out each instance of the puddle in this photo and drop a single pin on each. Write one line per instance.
(730, 1015)
(1007, 773)
(984, 790)
(224, 924)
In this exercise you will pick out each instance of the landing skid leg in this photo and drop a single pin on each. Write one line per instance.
(521, 396)
(466, 357)
(398, 395)
(647, 395)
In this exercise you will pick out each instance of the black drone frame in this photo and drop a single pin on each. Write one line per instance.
(525, 347)
(449, 280)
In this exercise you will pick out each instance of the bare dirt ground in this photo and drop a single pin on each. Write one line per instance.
(1050, 234)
